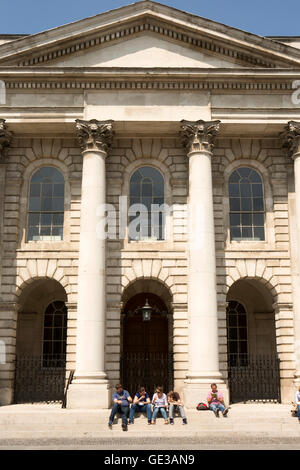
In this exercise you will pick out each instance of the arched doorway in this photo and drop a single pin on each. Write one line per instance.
(253, 364)
(147, 346)
(40, 365)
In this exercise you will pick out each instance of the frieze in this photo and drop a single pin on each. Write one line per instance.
(150, 85)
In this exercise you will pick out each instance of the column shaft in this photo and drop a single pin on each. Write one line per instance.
(91, 272)
(291, 137)
(89, 388)
(202, 292)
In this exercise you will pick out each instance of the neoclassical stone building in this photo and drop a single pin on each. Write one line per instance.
(149, 105)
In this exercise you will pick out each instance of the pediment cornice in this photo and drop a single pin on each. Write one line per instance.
(147, 17)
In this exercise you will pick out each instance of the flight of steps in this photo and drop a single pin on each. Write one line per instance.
(51, 421)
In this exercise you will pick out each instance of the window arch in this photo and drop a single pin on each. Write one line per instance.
(247, 208)
(146, 195)
(46, 205)
(237, 334)
(55, 333)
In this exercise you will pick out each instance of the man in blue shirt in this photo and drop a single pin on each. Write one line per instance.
(141, 403)
(121, 399)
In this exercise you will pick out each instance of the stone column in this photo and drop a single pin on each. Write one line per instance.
(89, 388)
(198, 138)
(291, 138)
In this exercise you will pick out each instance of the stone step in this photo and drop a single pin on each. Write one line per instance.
(146, 435)
(33, 415)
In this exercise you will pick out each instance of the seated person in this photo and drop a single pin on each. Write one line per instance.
(141, 403)
(160, 403)
(121, 399)
(216, 403)
(174, 400)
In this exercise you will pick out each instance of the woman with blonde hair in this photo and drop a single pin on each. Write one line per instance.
(160, 403)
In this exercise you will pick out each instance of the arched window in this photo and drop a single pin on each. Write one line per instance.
(55, 334)
(237, 335)
(247, 209)
(46, 205)
(146, 217)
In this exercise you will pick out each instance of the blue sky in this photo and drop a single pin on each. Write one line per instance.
(263, 17)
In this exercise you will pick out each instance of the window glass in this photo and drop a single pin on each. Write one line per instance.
(246, 202)
(237, 334)
(46, 205)
(55, 334)
(146, 222)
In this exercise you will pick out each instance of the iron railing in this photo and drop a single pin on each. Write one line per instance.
(254, 378)
(39, 378)
(147, 369)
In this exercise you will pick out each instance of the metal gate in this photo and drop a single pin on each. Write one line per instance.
(254, 378)
(39, 378)
(148, 370)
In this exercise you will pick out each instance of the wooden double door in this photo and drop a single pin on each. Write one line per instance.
(146, 359)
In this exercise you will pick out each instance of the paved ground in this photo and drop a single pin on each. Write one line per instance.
(42, 426)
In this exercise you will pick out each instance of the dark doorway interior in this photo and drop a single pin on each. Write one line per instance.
(146, 358)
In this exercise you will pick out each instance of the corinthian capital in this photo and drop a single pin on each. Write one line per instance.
(5, 138)
(199, 135)
(291, 137)
(94, 135)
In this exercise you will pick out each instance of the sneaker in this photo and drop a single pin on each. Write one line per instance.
(149, 422)
(225, 412)
(152, 422)
(171, 421)
(167, 421)
(124, 427)
(184, 421)
(217, 413)
(110, 425)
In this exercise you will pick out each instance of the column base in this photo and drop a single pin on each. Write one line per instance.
(89, 396)
(197, 391)
(6, 396)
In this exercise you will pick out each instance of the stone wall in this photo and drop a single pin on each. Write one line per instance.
(269, 262)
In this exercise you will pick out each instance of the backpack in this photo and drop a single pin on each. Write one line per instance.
(202, 406)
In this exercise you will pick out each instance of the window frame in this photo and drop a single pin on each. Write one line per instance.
(41, 212)
(269, 242)
(243, 356)
(55, 359)
(242, 213)
(153, 196)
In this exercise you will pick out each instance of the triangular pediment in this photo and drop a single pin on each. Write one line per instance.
(147, 34)
(147, 50)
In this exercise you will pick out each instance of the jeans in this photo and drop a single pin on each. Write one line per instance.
(124, 410)
(143, 409)
(172, 408)
(215, 406)
(298, 409)
(162, 410)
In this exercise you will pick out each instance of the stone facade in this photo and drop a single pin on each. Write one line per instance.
(87, 77)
